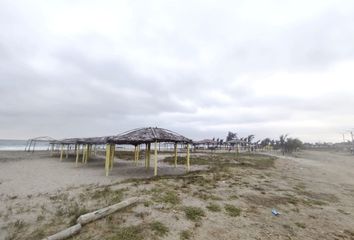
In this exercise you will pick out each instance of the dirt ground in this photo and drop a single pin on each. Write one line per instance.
(223, 197)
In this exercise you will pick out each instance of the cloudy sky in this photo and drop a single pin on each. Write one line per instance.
(202, 68)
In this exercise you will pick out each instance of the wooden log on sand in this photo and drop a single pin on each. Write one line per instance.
(92, 216)
(66, 233)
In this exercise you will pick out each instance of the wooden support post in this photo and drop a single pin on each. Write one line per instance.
(113, 147)
(149, 155)
(61, 152)
(146, 155)
(51, 150)
(77, 154)
(155, 160)
(67, 152)
(175, 154)
(87, 153)
(137, 155)
(188, 164)
(83, 153)
(108, 155)
(135, 150)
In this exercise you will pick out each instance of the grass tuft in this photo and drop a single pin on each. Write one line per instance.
(194, 213)
(159, 228)
(185, 235)
(232, 211)
(128, 233)
(214, 207)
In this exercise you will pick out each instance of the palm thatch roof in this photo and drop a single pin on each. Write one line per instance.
(205, 142)
(70, 141)
(148, 135)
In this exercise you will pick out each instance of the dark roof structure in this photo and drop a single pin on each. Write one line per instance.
(148, 135)
(92, 140)
(205, 142)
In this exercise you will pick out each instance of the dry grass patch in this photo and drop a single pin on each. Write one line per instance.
(194, 213)
(232, 211)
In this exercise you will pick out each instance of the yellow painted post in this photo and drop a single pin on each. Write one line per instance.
(155, 160)
(146, 154)
(149, 151)
(77, 154)
(108, 155)
(188, 164)
(83, 153)
(86, 153)
(61, 152)
(175, 154)
(113, 147)
(52, 150)
(137, 154)
(135, 149)
(67, 151)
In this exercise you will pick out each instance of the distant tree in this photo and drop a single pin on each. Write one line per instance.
(231, 136)
(282, 141)
(293, 144)
(265, 142)
(250, 138)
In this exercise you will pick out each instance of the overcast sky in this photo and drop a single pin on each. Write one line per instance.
(201, 68)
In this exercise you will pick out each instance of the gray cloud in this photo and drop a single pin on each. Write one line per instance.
(201, 68)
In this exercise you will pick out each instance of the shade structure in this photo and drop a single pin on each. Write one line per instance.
(148, 135)
(136, 137)
(205, 142)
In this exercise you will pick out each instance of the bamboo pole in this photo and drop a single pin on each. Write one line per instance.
(108, 154)
(155, 160)
(61, 152)
(175, 154)
(188, 163)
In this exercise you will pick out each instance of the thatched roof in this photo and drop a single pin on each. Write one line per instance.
(92, 140)
(148, 135)
(205, 142)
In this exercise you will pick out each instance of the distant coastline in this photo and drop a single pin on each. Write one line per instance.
(19, 145)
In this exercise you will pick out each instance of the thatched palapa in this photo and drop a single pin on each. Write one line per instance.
(135, 137)
(148, 135)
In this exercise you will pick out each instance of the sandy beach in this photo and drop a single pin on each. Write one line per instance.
(312, 190)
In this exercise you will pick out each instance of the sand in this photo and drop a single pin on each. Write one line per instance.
(313, 191)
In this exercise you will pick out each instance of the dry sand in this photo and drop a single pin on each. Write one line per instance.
(314, 191)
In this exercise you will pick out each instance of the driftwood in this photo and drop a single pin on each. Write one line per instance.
(66, 233)
(92, 216)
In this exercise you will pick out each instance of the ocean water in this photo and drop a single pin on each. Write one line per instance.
(20, 145)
